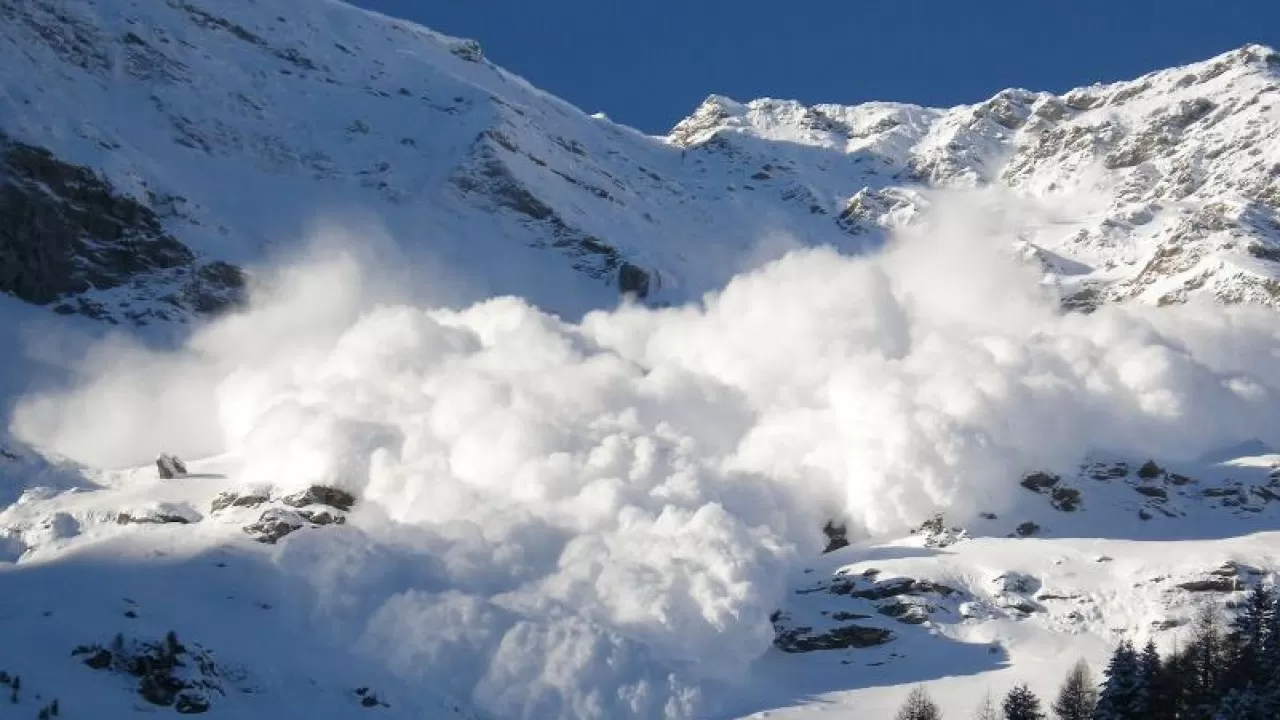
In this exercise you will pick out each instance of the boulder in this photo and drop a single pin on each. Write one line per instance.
(274, 524)
(226, 500)
(170, 467)
(159, 514)
(1027, 529)
(1065, 499)
(321, 495)
(1038, 481)
(1150, 470)
(837, 536)
(633, 280)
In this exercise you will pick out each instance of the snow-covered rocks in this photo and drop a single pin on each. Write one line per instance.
(335, 498)
(802, 638)
(159, 514)
(274, 524)
(167, 673)
(1227, 578)
(312, 507)
(230, 499)
(1014, 591)
(856, 608)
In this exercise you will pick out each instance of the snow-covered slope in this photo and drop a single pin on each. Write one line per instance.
(1153, 189)
(405, 502)
(241, 131)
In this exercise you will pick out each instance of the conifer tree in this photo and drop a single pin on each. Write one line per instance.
(1022, 704)
(918, 706)
(1203, 671)
(1248, 637)
(987, 709)
(1078, 695)
(1149, 693)
(1118, 697)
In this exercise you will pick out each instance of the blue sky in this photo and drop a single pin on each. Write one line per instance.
(648, 64)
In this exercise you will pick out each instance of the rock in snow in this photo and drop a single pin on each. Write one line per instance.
(169, 466)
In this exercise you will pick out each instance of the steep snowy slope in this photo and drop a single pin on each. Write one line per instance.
(407, 497)
(242, 126)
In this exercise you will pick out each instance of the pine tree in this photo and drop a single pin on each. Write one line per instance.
(1148, 695)
(918, 706)
(1022, 704)
(1078, 695)
(1204, 669)
(1174, 687)
(1119, 695)
(1248, 638)
(1163, 681)
(1269, 662)
(987, 709)
(1241, 704)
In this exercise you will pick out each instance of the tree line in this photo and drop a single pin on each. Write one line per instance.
(1223, 671)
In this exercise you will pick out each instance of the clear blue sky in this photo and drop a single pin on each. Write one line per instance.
(648, 63)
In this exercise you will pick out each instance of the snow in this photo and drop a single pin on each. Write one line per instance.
(571, 507)
(633, 495)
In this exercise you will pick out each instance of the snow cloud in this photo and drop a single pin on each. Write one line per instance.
(604, 513)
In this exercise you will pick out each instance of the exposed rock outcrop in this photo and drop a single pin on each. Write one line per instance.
(66, 232)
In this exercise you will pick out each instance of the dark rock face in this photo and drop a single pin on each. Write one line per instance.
(168, 673)
(803, 639)
(65, 231)
(837, 536)
(632, 280)
(488, 178)
(213, 288)
(1103, 471)
(1212, 584)
(1027, 529)
(1065, 499)
(1061, 497)
(369, 699)
(1039, 481)
(1150, 470)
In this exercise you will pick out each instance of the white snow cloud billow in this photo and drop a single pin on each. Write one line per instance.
(605, 511)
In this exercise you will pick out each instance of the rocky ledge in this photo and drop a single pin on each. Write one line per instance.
(72, 241)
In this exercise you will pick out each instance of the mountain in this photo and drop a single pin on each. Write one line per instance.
(220, 134)
(902, 395)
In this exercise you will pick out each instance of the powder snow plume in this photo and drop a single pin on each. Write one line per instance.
(595, 519)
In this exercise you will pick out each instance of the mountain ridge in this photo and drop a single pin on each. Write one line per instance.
(506, 172)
